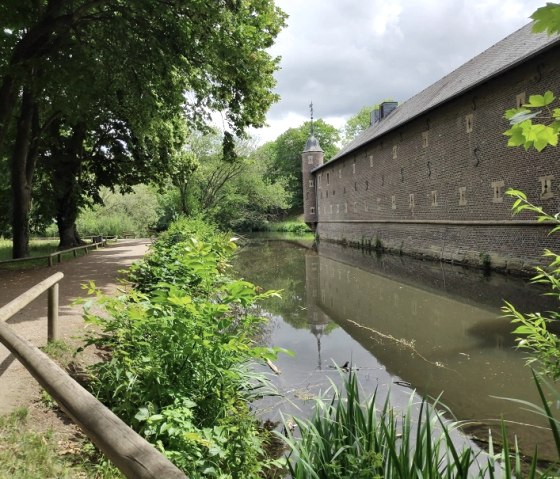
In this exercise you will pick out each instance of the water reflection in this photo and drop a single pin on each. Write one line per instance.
(398, 321)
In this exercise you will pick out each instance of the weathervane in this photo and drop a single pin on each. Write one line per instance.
(311, 110)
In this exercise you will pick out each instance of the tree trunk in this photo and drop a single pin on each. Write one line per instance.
(66, 188)
(21, 177)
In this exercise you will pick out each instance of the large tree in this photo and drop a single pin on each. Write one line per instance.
(71, 72)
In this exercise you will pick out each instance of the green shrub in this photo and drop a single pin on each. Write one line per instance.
(180, 348)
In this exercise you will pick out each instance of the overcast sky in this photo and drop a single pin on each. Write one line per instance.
(345, 54)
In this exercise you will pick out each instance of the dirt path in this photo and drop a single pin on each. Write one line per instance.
(17, 387)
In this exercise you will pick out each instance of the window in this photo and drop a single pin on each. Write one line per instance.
(393, 202)
(355, 186)
(337, 208)
(546, 187)
(462, 196)
(310, 160)
(327, 194)
(433, 197)
(520, 100)
(346, 207)
(424, 139)
(312, 210)
(394, 152)
(371, 161)
(367, 185)
(411, 201)
(354, 167)
(319, 181)
(331, 209)
(497, 189)
(469, 123)
(378, 203)
(328, 181)
(340, 173)
(311, 184)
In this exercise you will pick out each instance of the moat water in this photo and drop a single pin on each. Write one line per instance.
(404, 325)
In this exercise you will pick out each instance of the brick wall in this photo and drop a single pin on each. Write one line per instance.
(451, 165)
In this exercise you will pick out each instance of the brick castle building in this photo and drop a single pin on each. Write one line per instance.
(428, 177)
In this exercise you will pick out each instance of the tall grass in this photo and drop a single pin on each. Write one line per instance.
(287, 227)
(346, 438)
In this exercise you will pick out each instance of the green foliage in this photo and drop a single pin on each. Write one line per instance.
(180, 347)
(298, 227)
(547, 19)
(524, 132)
(136, 212)
(348, 439)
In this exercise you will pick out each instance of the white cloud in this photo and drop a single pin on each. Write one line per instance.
(344, 54)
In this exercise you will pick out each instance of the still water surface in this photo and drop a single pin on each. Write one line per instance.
(404, 325)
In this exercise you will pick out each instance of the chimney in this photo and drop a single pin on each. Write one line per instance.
(386, 108)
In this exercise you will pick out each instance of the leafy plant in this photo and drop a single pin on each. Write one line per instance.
(179, 347)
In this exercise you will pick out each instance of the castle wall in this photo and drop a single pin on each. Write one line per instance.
(435, 186)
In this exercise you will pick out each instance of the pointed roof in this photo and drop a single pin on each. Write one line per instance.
(508, 53)
(312, 144)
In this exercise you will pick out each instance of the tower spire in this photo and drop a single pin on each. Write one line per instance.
(311, 111)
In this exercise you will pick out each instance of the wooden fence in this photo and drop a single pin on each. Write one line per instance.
(130, 452)
(58, 254)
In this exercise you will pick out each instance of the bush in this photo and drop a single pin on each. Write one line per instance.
(180, 347)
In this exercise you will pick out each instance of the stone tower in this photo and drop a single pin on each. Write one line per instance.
(311, 158)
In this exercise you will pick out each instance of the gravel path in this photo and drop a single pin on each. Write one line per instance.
(17, 387)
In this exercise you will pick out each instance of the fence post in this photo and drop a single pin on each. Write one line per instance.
(50, 260)
(52, 322)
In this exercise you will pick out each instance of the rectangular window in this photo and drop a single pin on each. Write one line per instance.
(546, 187)
(354, 167)
(340, 173)
(346, 207)
(331, 208)
(328, 181)
(311, 184)
(394, 152)
(462, 196)
(310, 159)
(379, 203)
(498, 191)
(411, 201)
(469, 123)
(433, 197)
(337, 208)
(371, 161)
(520, 100)
(424, 139)
(312, 210)
(320, 174)
(393, 202)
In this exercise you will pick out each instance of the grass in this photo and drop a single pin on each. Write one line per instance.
(292, 226)
(25, 454)
(37, 247)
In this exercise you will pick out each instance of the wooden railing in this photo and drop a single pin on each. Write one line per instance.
(130, 452)
(58, 254)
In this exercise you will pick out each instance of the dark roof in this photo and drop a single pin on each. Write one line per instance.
(312, 144)
(504, 55)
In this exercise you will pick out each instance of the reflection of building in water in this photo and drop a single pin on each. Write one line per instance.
(316, 317)
(434, 341)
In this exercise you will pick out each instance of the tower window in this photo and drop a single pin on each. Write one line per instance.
(311, 184)
(312, 210)
(394, 152)
(371, 161)
(354, 167)
(393, 202)
(411, 200)
(328, 180)
(424, 139)
(310, 159)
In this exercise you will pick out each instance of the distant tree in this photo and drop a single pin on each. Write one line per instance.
(287, 151)
(357, 123)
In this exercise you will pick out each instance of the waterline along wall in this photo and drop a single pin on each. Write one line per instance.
(428, 178)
